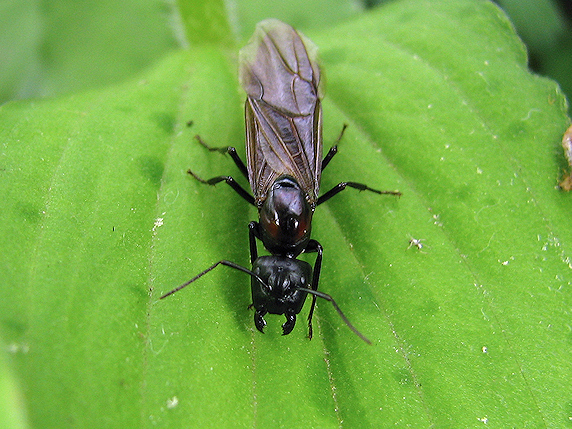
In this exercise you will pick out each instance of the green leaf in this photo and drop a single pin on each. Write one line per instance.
(99, 218)
(12, 413)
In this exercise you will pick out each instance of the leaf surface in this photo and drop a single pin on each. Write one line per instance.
(99, 219)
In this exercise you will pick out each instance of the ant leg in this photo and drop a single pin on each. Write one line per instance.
(314, 246)
(229, 180)
(341, 186)
(230, 150)
(253, 234)
(333, 150)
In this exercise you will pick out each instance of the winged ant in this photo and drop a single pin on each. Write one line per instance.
(283, 113)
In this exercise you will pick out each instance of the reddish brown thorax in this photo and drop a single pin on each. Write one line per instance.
(286, 218)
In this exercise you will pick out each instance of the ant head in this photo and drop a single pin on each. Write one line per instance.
(282, 277)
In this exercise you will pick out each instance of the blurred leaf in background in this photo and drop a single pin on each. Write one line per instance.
(61, 46)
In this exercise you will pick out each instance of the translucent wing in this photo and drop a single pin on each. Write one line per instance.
(281, 77)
